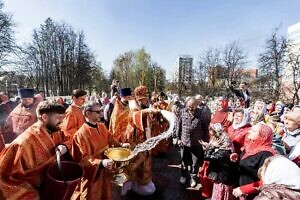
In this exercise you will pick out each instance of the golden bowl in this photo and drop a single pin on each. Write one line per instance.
(120, 156)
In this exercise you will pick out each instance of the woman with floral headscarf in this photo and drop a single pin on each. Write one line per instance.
(221, 170)
(239, 129)
(279, 108)
(257, 114)
(257, 147)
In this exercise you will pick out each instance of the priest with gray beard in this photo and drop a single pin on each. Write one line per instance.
(138, 131)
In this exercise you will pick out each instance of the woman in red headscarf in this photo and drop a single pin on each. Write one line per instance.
(257, 147)
(221, 116)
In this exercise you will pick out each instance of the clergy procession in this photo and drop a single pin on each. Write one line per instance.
(149, 100)
(229, 148)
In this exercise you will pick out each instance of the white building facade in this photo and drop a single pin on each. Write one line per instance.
(293, 37)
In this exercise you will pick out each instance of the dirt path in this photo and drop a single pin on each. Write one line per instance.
(166, 174)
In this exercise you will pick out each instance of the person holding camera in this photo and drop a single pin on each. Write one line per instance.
(115, 88)
(242, 92)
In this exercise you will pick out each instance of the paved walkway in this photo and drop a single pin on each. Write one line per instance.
(166, 174)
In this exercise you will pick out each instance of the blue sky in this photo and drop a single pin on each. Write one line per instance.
(166, 28)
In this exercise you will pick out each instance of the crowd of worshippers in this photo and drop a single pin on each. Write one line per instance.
(236, 148)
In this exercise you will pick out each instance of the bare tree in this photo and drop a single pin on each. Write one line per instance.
(204, 72)
(143, 68)
(100, 80)
(271, 61)
(58, 60)
(234, 59)
(159, 77)
(7, 40)
(218, 67)
(123, 67)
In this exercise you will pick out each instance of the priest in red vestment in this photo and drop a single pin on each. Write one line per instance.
(24, 162)
(22, 116)
(138, 130)
(119, 117)
(74, 118)
(159, 125)
(89, 144)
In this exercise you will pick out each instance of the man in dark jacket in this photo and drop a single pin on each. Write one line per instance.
(242, 92)
(190, 131)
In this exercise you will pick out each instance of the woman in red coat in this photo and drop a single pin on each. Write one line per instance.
(258, 147)
(239, 129)
(221, 116)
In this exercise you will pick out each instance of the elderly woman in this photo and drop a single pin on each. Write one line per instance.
(278, 131)
(260, 106)
(221, 115)
(258, 113)
(280, 178)
(279, 108)
(220, 169)
(239, 129)
(214, 106)
(291, 138)
(258, 147)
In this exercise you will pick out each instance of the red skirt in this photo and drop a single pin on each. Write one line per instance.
(207, 183)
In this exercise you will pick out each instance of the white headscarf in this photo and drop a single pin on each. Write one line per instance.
(246, 120)
(282, 171)
(260, 107)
